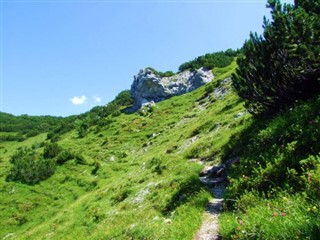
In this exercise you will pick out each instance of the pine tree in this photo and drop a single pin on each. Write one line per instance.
(282, 66)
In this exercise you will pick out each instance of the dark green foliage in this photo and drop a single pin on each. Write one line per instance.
(96, 168)
(19, 219)
(279, 154)
(97, 115)
(210, 60)
(65, 126)
(121, 193)
(30, 125)
(82, 126)
(275, 188)
(17, 137)
(64, 156)
(29, 167)
(51, 150)
(282, 66)
(123, 99)
(80, 159)
(161, 74)
(32, 133)
(156, 165)
(57, 126)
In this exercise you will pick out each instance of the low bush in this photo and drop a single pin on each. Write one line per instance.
(51, 150)
(210, 60)
(29, 167)
(64, 156)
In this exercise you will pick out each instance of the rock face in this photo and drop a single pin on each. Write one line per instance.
(148, 86)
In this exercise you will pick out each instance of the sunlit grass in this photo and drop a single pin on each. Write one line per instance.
(135, 181)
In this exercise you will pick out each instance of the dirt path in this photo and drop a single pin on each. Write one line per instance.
(210, 226)
(216, 179)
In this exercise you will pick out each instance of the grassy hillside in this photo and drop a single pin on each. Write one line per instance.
(133, 176)
(275, 191)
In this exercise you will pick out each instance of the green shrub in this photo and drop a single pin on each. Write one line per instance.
(311, 177)
(19, 219)
(116, 113)
(80, 159)
(29, 167)
(156, 165)
(18, 137)
(121, 193)
(29, 125)
(282, 66)
(64, 156)
(51, 150)
(161, 74)
(32, 133)
(210, 60)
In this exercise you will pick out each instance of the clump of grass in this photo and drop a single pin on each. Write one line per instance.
(283, 217)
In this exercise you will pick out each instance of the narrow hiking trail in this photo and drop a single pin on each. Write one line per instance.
(210, 226)
(216, 179)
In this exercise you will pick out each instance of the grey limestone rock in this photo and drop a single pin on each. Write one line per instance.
(148, 86)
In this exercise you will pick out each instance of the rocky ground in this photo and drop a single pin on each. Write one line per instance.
(216, 179)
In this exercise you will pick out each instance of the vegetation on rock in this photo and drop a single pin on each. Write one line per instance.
(210, 60)
(161, 74)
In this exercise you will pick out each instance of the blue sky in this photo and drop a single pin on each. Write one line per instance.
(65, 57)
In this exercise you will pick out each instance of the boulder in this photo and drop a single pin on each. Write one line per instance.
(149, 86)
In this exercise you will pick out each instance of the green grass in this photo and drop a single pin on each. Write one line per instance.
(291, 217)
(136, 176)
(279, 174)
(136, 180)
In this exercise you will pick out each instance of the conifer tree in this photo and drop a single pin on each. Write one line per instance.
(282, 66)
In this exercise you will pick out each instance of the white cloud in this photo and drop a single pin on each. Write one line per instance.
(78, 100)
(97, 99)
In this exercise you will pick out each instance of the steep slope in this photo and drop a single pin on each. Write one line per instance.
(274, 193)
(133, 176)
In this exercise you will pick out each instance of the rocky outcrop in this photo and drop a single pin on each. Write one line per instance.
(148, 86)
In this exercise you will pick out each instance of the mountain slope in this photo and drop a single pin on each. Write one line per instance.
(134, 176)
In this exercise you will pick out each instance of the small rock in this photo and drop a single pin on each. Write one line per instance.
(240, 114)
(168, 221)
(220, 91)
(156, 218)
(195, 138)
(9, 235)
